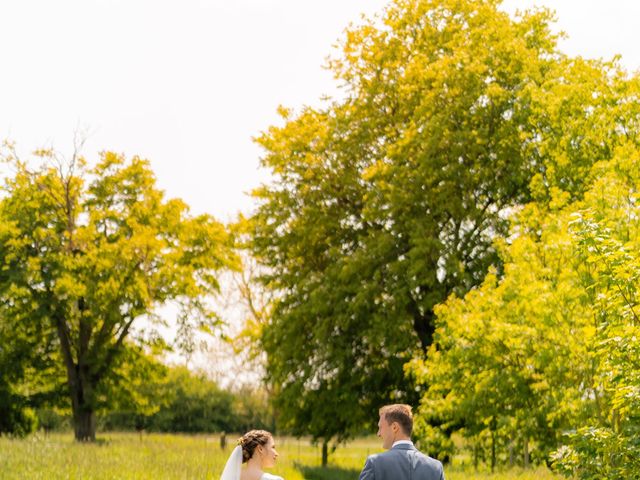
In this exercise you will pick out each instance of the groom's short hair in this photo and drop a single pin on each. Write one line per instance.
(400, 413)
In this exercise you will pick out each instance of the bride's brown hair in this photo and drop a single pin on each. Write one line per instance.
(250, 441)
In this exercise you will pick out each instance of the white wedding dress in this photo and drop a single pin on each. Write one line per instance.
(233, 468)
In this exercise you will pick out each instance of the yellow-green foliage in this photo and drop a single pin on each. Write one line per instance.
(549, 345)
(517, 474)
(155, 456)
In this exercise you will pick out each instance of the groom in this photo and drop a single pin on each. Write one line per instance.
(403, 461)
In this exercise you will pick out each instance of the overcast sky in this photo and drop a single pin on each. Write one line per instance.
(187, 83)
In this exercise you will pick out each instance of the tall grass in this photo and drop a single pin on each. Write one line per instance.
(165, 456)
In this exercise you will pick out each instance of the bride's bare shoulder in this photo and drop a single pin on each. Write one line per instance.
(251, 475)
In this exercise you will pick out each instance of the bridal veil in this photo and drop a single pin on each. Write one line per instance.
(234, 465)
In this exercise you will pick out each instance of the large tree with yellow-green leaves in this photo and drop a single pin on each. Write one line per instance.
(388, 200)
(87, 252)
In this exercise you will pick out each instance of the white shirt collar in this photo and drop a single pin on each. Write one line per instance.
(402, 442)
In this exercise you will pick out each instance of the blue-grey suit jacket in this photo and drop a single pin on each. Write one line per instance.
(402, 462)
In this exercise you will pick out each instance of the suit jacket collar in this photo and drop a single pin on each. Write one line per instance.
(404, 446)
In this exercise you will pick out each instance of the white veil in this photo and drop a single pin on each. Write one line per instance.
(234, 465)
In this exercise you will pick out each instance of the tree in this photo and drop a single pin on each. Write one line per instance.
(384, 203)
(88, 252)
(608, 234)
(137, 390)
(30, 373)
(549, 346)
(192, 403)
(511, 363)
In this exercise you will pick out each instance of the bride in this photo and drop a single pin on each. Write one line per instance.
(258, 450)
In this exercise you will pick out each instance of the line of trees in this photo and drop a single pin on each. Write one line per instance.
(174, 399)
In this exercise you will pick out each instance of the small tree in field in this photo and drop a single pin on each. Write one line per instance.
(88, 252)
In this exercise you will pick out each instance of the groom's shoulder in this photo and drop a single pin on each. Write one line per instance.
(430, 460)
(388, 462)
(395, 452)
(375, 457)
(387, 454)
(430, 463)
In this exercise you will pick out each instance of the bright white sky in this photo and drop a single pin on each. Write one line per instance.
(187, 83)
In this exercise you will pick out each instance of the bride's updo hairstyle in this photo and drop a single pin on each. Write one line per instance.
(250, 441)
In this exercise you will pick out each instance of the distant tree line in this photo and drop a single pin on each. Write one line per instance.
(189, 402)
(176, 400)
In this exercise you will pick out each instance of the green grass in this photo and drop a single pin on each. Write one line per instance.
(164, 456)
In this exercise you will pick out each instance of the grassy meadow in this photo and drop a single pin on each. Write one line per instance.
(165, 456)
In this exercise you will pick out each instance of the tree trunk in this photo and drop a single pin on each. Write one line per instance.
(526, 452)
(79, 381)
(476, 455)
(423, 324)
(84, 425)
(512, 459)
(493, 451)
(84, 421)
(325, 452)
